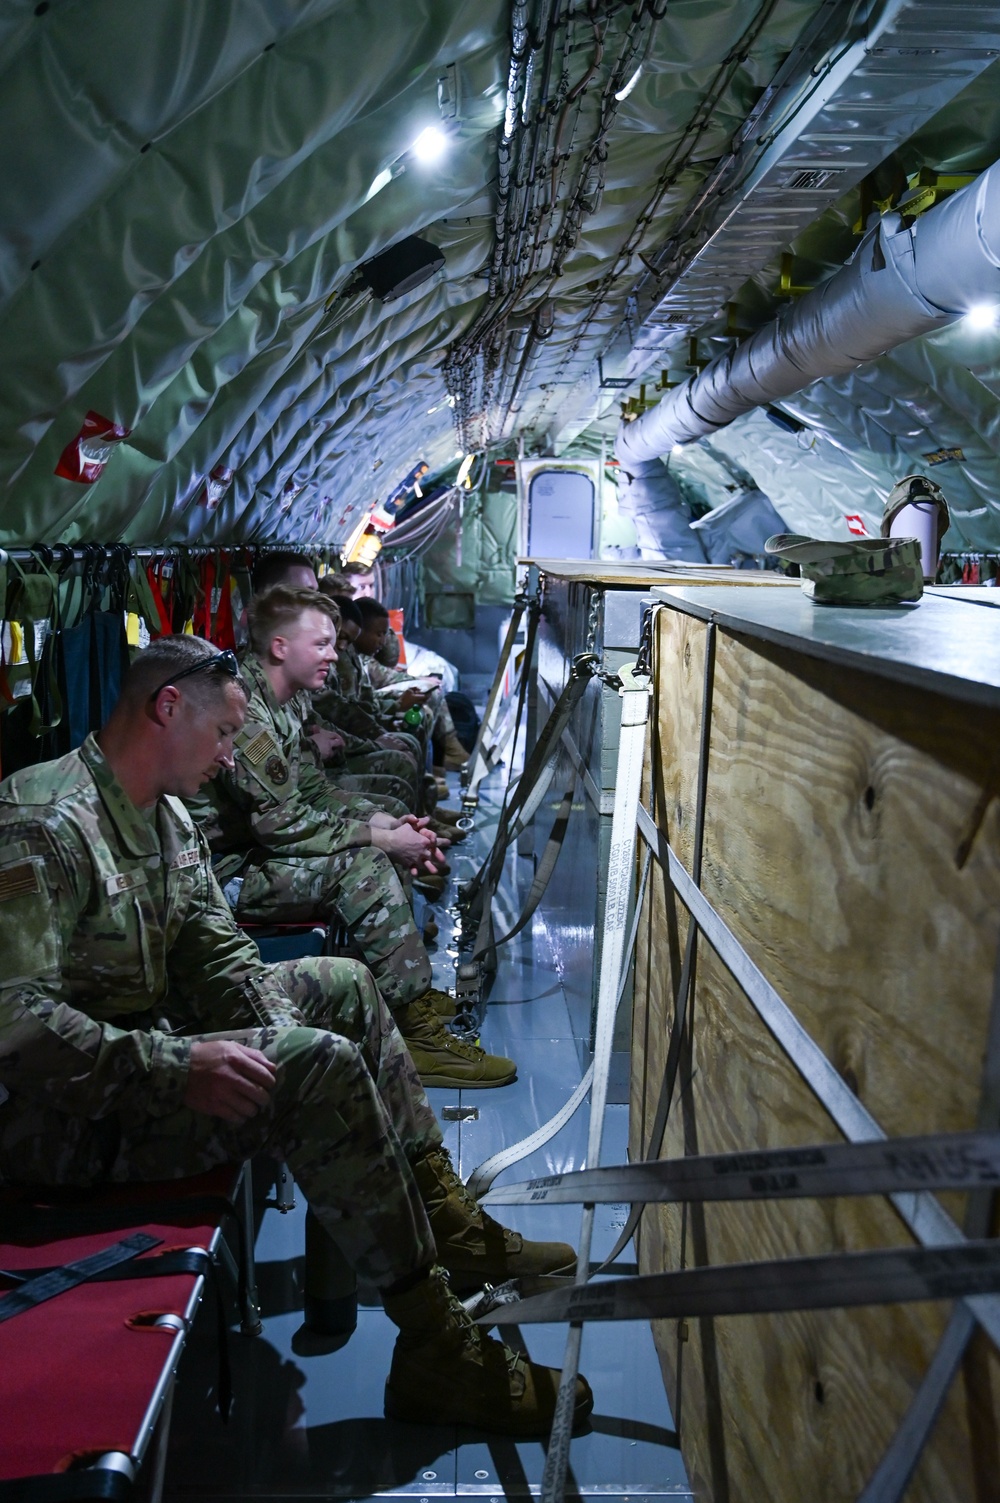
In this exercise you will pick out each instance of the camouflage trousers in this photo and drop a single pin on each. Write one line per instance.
(383, 763)
(391, 794)
(441, 721)
(348, 1114)
(357, 887)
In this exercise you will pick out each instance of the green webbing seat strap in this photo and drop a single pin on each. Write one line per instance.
(36, 599)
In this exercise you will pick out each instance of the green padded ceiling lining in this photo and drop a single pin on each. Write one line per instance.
(183, 203)
(190, 179)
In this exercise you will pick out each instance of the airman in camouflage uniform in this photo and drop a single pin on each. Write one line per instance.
(274, 821)
(114, 936)
(389, 791)
(348, 700)
(360, 760)
(113, 932)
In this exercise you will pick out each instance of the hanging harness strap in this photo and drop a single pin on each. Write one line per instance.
(37, 599)
(482, 761)
(533, 784)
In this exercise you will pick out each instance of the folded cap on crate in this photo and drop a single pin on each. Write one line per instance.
(856, 571)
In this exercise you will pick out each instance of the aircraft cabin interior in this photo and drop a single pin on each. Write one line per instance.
(499, 751)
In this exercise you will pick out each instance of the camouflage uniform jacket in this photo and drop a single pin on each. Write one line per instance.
(275, 802)
(347, 702)
(379, 675)
(107, 921)
(302, 707)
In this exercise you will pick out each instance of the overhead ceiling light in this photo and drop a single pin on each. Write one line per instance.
(626, 91)
(982, 316)
(677, 449)
(430, 145)
(383, 180)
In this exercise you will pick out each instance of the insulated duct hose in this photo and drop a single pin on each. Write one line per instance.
(902, 281)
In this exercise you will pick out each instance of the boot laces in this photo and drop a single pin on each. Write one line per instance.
(468, 1201)
(475, 1340)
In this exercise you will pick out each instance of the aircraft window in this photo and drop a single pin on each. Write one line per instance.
(561, 514)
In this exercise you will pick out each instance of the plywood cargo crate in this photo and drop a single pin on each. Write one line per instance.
(851, 843)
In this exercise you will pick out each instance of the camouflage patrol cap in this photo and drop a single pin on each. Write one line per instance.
(915, 490)
(858, 571)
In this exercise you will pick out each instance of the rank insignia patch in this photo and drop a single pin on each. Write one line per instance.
(276, 769)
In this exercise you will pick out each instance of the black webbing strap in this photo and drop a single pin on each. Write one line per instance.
(195, 1261)
(96, 1484)
(55, 1221)
(45, 1286)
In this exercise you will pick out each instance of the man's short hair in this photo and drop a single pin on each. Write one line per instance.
(155, 667)
(272, 612)
(274, 568)
(371, 610)
(340, 584)
(330, 601)
(348, 610)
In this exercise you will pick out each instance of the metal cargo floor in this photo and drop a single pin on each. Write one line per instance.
(311, 1426)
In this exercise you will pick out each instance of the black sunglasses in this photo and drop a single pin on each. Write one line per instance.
(226, 661)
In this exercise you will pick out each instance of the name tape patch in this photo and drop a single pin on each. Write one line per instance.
(186, 858)
(124, 881)
(16, 881)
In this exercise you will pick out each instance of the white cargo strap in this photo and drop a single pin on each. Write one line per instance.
(888, 1276)
(485, 753)
(935, 1161)
(634, 693)
(482, 1178)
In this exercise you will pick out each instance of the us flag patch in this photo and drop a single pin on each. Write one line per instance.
(261, 746)
(17, 880)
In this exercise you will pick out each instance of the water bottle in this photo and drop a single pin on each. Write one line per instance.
(331, 1285)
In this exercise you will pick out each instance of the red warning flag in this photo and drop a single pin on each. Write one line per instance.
(84, 458)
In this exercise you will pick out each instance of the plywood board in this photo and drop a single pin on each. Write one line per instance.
(936, 644)
(837, 805)
(643, 575)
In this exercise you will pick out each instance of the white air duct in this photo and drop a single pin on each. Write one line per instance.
(899, 283)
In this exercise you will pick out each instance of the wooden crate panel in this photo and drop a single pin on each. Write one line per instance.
(836, 805)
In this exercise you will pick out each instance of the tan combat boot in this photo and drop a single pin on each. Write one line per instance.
(445, 831)
(431, 885)
(455, 754)
(443, 1060)
(475, 1249)
(446, 1370)
(443, 1003)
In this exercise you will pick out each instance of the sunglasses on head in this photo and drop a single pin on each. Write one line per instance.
(226, 662)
